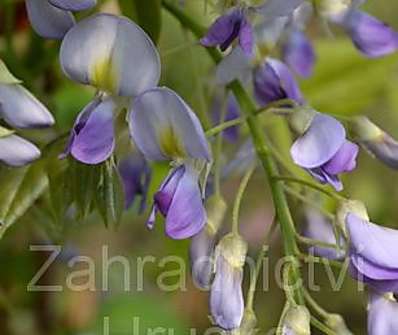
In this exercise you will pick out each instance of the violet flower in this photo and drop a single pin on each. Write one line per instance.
(273, 81)
(230, 26)
(136, 176)
(324, 151)
(21, 110)
(164, 127)
(98, 51)
(382, 314)
(226, 297)
(53, 18)
(373, 252)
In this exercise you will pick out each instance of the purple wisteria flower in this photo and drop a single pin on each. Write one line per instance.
(382, 314)
(164, 127)
(136, 176)
(226, 297)
(319, 228)
(53, 18)
(273, 81)
(98, 51)
(21, 110)
(228, 27)
(324, 151)
(376, 141)
(371, 36)
(373, 251)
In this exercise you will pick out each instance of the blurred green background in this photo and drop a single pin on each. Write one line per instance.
(344, 83)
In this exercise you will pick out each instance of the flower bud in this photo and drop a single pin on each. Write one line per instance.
(202, 244)
(337, 323)
(226, 297)
(297, 321)
(301, 120)
(376, 141)
(249, 323)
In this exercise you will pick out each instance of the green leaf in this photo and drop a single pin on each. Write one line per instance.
(6, 77)
(110, 194)
(20, 189)
(147, 14)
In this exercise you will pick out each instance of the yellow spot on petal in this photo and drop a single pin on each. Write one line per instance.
(104, 75)
(170, 144)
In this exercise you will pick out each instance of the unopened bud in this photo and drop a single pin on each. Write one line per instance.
(350, 206)
(301, 119)
(248, 325)
(337, 323)
(377, 142)
(297, 321)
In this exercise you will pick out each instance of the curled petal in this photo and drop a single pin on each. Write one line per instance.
(164, 127)
(49, 21)
(376, 244)
(16, 151)
(344, 160)
(92, 140)
(111, 53)
(73, 5)
(382, 315)
(371, 36)
(186, 215)
(20, 109)
(320, 142)
(299, 53)
(325, 178)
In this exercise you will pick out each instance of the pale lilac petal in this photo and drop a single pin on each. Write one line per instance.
(236, 65)
(378, 245)
(299, 53)
(16, 151)
(384, 148)
(49, 21)
(73, 5)
(20, 109)
(382, 315)
(371, 36)
(186, 215)
(344, 160)
(111, 53)
(164, 127)
(325, 178)
(226, 298)
(320, 142)
(246, 37)
(95, 141)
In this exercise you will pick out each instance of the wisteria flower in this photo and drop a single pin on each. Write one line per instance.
(53, 18)
(98, 51)
(226, 297)
(382, 314)
(372, 253)
(164, 127)
(324, 151)
(228, 27)
(273, 81)
(21, 110)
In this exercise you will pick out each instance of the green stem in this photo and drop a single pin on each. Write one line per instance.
(319, 325)
(315, 306)
(222, 126)
(217, 153)
(238, 199)
(317, 243)
(262, 148)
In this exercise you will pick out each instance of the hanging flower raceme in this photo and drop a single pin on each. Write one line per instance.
(99, 51)
(322, 149)
(136, 176)
(232, 25)
(376, 141)
(370, 36)
(203, 244)
(273, 81)
(382, 314)
(53, 18)
(21, 110)
(226, 297)
(373, 252)
(164, 127)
